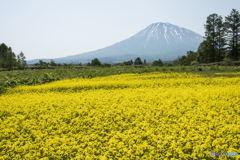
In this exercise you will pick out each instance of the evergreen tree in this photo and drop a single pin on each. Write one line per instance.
(220, 39)
(214, 35)
(7, 57)
(21, 60)
(138, 61)
(95, 62)
(232, 23)
(3, 55)
(11, 61)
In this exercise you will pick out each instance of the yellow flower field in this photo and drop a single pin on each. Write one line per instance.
(128, 116)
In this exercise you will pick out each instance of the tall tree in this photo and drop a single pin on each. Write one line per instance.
(11, 59)
(3, 54)
(220, 39)
(21, 60)
(7, 57)
(232, 23)
(214, 35)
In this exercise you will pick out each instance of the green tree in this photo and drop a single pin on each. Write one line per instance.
(95, 62)
(187, 59)
(157, 63)
(191, 57)
(3, 55)
(21, 61)
(53, 63)
(7, 57)
(11, 60)
(180, 60)
(138, 61)
(220, 39)
(128, 62)
(232, 23)
(204, 52)
(214, 34)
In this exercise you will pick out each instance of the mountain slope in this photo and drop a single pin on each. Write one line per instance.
(159, 40)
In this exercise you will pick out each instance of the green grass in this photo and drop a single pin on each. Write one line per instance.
(31, 77)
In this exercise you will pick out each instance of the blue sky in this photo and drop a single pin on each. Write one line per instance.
(57, 28)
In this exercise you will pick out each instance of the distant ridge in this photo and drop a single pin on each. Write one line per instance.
(159, 40)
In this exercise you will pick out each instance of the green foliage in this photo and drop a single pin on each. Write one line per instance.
(194, 62)
(41, 63)
(138, 61)
(233, 34)
(53, 63)
(32, 77)
(157, 63)
(106, 65)
(95, 62)
(188, 59)
(215, 39)
(145, 62)
(21, 61)
(227, 60)
(2, 87)
(8, 59)
(48, 77)
(119, 64)
(218, 35)
(205, 52)
(128, 63)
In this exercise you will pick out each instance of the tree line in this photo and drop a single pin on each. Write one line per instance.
(97, 62)
(221, 41)
(9, 60)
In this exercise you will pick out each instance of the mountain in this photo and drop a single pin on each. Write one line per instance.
(159, 40)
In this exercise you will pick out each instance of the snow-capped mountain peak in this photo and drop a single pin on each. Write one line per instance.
(167, 32)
